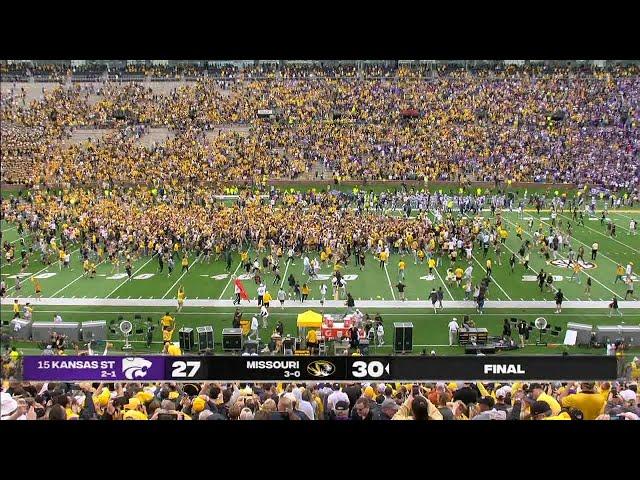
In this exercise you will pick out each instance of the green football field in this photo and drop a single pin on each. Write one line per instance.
(209, 289)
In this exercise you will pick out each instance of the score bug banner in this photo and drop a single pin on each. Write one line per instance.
(322, 369)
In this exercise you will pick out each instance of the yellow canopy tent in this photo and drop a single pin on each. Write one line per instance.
(309, 319)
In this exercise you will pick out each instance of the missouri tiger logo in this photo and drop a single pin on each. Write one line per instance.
(321, 368)
(567, 264)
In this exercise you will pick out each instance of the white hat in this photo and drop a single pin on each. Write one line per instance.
(9, 405)
(502, 391)
(628, 395)
(455, 319)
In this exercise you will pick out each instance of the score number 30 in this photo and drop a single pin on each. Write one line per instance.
(373, 369)
(180, 369)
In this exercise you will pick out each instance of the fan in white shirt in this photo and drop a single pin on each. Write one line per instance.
(254, 328)
(453, 330)
(380, 334)
(264, 313)
(335, 397)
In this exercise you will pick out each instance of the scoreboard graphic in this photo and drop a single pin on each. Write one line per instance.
(333, 369)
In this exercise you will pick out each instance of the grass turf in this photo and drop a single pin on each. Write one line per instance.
(208, 280)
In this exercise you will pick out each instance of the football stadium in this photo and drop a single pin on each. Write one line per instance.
(339, 240)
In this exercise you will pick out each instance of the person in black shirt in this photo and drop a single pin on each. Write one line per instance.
(613, 306)
(237, 316)
(128, 269)
(512, 262)
(440, 296)
(523, 332)
(362, 259)
(354, 338)
(400, 286)
(506, 328)
(350, 302)
(434, 298)
(559, 299)
(291, 281)
(541, 277)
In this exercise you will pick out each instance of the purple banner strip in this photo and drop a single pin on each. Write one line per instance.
(93, 368)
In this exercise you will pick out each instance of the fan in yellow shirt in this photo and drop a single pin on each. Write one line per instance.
(383, 258)
(432, 264)
(181, 296)
(459, 272)
(587, 401)
(167, 321)
(172, 350)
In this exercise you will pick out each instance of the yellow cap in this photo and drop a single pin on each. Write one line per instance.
(368, 392)
(198, 405)
(134, 403)
(134, 415)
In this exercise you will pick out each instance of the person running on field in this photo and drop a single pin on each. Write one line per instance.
(629, 282)
(434, 299)
(181, 296)
(613, 307)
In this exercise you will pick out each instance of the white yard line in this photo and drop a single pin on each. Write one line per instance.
(74, 281)
(40, 271)
(443, 283)
(389, 280)
(610, 238)
(623, 215)
(531, 268)
(436, 267)
(583, 271)
(180, 277)
(588, 246)
(132, 275)
(229, 282)
(20, 238)
(601, 306)
(285, 273)
(492, 278)
(7, 229)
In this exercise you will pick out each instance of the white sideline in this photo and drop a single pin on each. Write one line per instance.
(154, 302)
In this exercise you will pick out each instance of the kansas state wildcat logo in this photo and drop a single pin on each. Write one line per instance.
(566, 264)
(135, 367)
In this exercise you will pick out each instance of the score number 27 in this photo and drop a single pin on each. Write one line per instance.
(180, 369)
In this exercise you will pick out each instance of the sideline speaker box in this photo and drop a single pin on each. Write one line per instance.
(205, 338)
(41, 331)
(185, 336)
(96, 330)
(231, 339)
(402, 337)
(20, 329)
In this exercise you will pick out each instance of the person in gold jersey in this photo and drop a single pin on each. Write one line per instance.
(181, 296)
